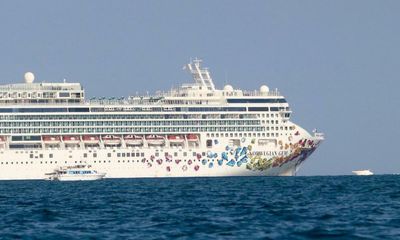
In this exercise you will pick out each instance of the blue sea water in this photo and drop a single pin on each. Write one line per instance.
(352, 207)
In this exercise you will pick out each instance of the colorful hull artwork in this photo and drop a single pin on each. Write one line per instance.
(239, 157)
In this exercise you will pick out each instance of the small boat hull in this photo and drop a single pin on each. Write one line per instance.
(363, 172)
(80, 177)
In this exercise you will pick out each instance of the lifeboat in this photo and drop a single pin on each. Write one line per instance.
(51, 139)
(71, 139)
(2, 140)
(176, 139)
(155, 140)
(111, 140)
(133, 140)
(192, 138)
(87, 139)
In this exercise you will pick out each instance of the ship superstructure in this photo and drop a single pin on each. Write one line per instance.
(194, 130)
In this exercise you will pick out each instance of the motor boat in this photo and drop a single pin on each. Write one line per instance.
(74, 173)
(363, 172)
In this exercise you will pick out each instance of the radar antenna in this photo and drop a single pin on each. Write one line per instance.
(200, 75)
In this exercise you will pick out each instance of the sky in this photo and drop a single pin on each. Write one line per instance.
(336, 62)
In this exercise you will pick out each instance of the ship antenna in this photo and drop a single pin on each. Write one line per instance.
(226, 77)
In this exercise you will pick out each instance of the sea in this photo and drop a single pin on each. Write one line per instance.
(326, 207)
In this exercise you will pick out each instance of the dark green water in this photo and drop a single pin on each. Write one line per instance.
(343, 207)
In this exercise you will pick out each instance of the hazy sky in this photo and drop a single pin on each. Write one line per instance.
(337, 62)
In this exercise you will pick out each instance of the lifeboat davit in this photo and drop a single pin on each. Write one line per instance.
(133, 140)
(87, 139)
(51, 139)
(111, 140)
(71, 139)
(192, 138)
(176, 138)
(155, 140)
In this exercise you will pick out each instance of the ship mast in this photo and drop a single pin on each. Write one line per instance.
(200, 75)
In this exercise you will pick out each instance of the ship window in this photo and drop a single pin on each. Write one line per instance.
(41, 155)
(157, 154)
(175, 154)
(118, 155)
(108, 154)
(50, 155)
(128, 154)
(85, 155)
(142, 154)
(184, 154)
(137, 154)
(30, 155)
(194, 154)
(64, 94)
(209, 143)
(123, 154)
(94, 155)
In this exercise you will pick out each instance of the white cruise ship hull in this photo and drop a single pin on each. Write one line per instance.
(135, 162)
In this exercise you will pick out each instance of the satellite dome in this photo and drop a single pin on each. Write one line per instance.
(264, 89)
(228, 88)
(29, 77)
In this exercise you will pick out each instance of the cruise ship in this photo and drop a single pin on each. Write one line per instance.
(195, 130)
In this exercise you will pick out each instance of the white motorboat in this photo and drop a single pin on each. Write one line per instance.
(75, 173)
(363, 172)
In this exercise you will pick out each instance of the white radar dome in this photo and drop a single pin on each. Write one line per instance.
(264, 89)
(228, 88)
(29, 77)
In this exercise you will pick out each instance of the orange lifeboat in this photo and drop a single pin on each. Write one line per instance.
(51, 139)
(176, 138)
(111, 140)
(155, 140)
(71, 139)
(87, 139)
(133, 140)
(192, 138)
(2, 140)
